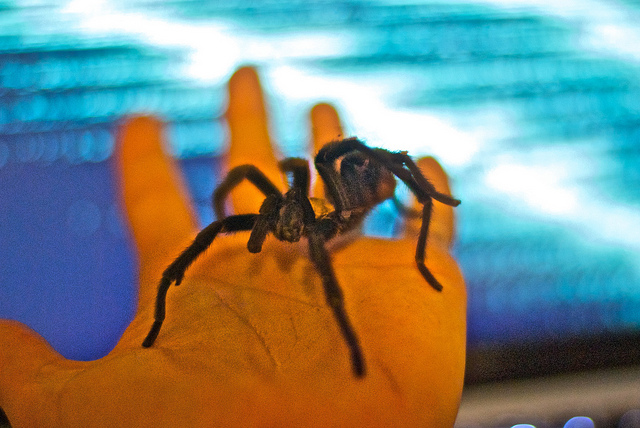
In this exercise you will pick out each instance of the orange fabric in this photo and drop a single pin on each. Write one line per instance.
(248, 339)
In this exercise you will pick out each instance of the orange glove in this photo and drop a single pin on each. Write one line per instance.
(248, 339)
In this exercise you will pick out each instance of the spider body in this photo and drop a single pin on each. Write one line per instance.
(356, 179)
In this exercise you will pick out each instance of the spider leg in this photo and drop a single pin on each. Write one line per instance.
(424, 191)
(235, 177)
(393, 161)
(175, 271)
(258, 234)
(421, 180)
(403, 167)
(335, 149)
(324, 165)
(331, 180)
(425, 186)
(320, 258)
(301, 175)
(422, 246)
(337, 191)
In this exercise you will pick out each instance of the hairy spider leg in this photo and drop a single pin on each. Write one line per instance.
(332, 186)
(317, 233)
(175, 271)
(411, 176)
(422, 181)
(235, 177)
(334, 296)
(393, 161)
(299, 168)
(424, 191)
(421, 246)
(268, 215)
(334, 181)
(424, 184)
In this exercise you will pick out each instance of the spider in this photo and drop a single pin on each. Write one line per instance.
(356, 178)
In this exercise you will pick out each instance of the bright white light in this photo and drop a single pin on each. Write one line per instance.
(213, 53)
(616, 223)
(543, 190)
(214, 49)
(625, 38)
(419, 133)
(83, 6)
(275, 48)
(540, 187)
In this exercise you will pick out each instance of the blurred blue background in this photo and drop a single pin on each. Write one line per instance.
(533, 107)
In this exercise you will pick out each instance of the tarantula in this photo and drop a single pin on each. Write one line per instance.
(356, 179)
